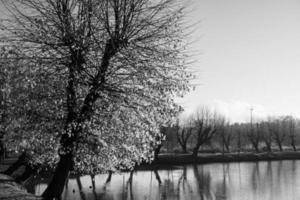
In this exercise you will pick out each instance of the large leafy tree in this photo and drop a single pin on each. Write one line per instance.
(101, 77)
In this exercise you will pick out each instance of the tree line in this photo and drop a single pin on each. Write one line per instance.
(210, 131)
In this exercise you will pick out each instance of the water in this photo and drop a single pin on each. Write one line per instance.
(274, 180)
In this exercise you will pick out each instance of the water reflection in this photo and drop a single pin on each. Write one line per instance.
(221, 186)
(203, 180)
(250, 181)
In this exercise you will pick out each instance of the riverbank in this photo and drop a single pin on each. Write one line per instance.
(10, 190)
(164, 160)
(167, 160)
(13, 191)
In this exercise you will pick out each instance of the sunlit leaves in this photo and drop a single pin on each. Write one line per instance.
(103, 72)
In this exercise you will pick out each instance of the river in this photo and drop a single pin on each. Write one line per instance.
(270, 180)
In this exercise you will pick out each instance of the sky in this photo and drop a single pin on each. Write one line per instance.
(247, 56)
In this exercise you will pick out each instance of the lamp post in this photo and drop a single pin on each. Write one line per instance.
(251, 112)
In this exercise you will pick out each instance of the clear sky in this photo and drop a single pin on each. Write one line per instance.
(248, 55)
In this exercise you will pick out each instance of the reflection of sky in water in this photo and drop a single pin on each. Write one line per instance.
(248, 181)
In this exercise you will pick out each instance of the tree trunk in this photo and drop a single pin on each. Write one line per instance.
(256, 148)
(195, 151)
(269, 148)
(184, 148)
(227, 148)
(61, 173)
(2, 151)
(280, 146)
(156, 151)
(294, 146)
(223, 149)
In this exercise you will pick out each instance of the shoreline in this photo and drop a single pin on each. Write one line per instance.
(170, 160)
(10, 189)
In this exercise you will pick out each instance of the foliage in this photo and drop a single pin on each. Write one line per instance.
(98, 78)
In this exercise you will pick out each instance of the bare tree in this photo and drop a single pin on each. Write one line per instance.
(238, 141)
(183, 134)
(205, 127)
(254, 136)
(225, 132)
(290, 126)
(237, 132)
(277, 127)
(266, 135)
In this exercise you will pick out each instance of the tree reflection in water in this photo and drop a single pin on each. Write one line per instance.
(157, 176)
(221, 186)
(203, 180)
(184, 185)
(274, 180)
(129, 187)
(80, 188)
(168, 188)
(255, 177)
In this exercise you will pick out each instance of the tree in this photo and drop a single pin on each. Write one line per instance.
(205, 127)
(225, 132)
(238, 133)
(238, 139)
(291, 129)
(277, 128)
(183, 134)
(254, 136)
(266, 135)
(104, 74)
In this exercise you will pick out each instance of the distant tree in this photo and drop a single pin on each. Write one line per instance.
(291, 129)
(254, 136)
(238, 135)
(225, 133)
(266, 135)
(205, 127)
(277, 127)
(102, 76)
(238, 140)
(183, 134)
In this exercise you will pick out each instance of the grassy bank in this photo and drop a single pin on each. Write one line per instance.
(180, 159)
(171, 160)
